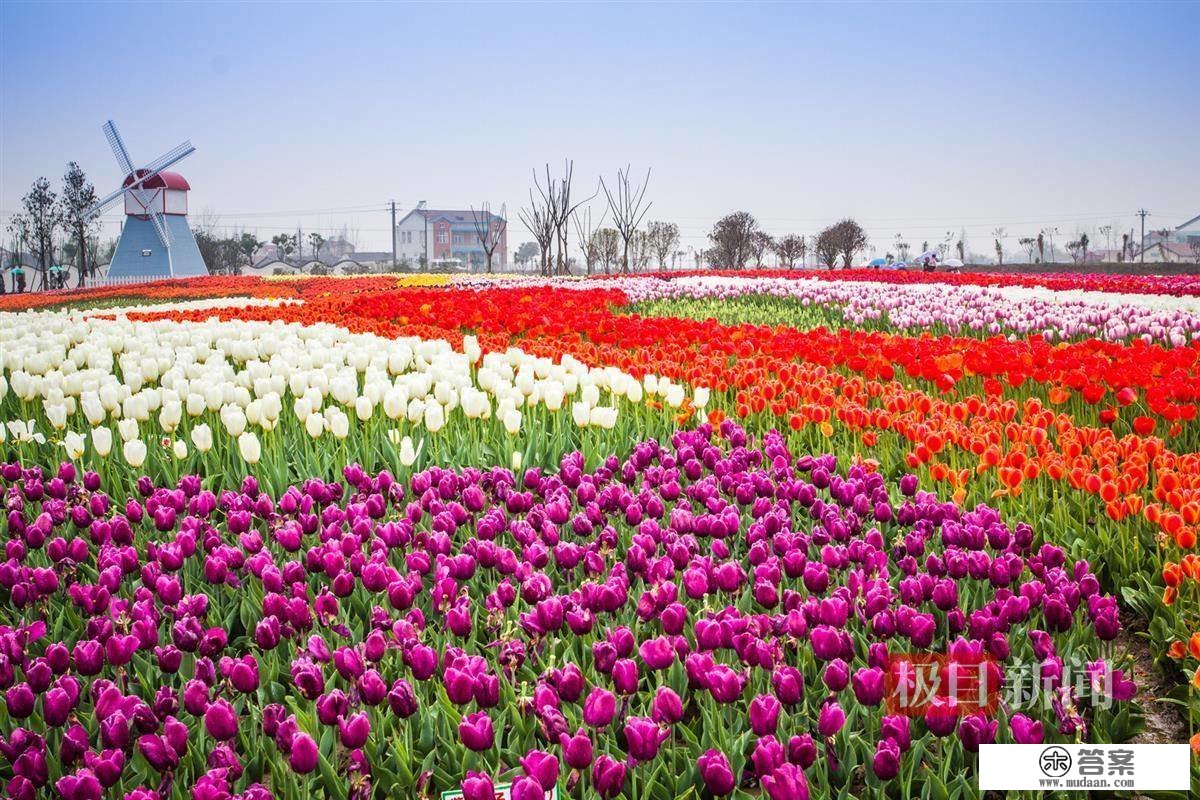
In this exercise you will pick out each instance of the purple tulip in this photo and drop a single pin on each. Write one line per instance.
(787, 782)
(788, 683)
(625, 676)
(725, 684)
(220, 720)
(1025, 730)
(402, 699)
(898, 728)
(941, 718)
(715, 771)
(836, 675)
(83, 785)
(304, 754)
(643, 737)
(476, 731)
(577, 749)
(608, 776)
(831, 719)
(542, 767)
(886, 763)
(668, 707)
(526, 788)
(354, 730)
(869, 685)
(975, 730)
(599, 708)
(477, 786)
(764, 714)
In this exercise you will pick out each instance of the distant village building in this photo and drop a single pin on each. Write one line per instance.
(447, 236)
(1167, 252)
(1184, 234)
(1172, 245)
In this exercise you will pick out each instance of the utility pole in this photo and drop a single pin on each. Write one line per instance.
(393, 236)
(1142, 254)
(299, 246)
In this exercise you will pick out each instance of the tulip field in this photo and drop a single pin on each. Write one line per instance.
(642, 537)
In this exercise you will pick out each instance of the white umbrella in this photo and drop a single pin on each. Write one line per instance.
(927, 254)
(952, 262)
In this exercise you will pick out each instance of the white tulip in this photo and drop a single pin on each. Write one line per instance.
(435, 417)
(134, 451)
(73, 443)
(234, 420)
(407, 454)
(339, 424)
(363, 408)
(314, 425)
(93, 410)
(128, 428)
(512, 422)
(581, 413)
(56, 415)
(516, 460)
(553, 394)
(202, 437)
(249, 447)
(701, 396)
(180, 449)
(102, 441)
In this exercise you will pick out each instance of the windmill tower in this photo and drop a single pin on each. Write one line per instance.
(156, 241)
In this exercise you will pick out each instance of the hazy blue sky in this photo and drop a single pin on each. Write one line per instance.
(915, 119)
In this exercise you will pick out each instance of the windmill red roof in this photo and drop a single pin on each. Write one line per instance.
(163, 180)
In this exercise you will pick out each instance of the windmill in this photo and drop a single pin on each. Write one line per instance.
(156, 241)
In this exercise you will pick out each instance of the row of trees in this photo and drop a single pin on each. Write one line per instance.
(554, 212)
(737, 241)
(53, 228)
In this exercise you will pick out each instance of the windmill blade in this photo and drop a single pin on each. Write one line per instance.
(103, 204)
(172, 156)
(118, 147)
(160, 228)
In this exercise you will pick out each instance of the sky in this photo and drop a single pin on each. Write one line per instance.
(915, 119)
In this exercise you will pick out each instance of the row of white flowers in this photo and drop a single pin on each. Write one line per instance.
(86, 377)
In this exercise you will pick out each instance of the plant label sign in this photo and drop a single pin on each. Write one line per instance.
(503, 792)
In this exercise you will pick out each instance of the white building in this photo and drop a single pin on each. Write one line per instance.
(448, 237)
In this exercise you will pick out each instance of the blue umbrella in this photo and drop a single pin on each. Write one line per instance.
(876, 262)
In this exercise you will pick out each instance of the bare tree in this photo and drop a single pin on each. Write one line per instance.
(826, 247)
(1041, 246)
(489, 229)
(34, 227)
(625, 201)
(78, 196)
(1030, 244)
(587, 239)
(540, 218)
(607, 242)
(1000, 234)
(664, 238)
(640, 249)
(902, 247)
(1194, 246)
(789, 249)
(1076, 250)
